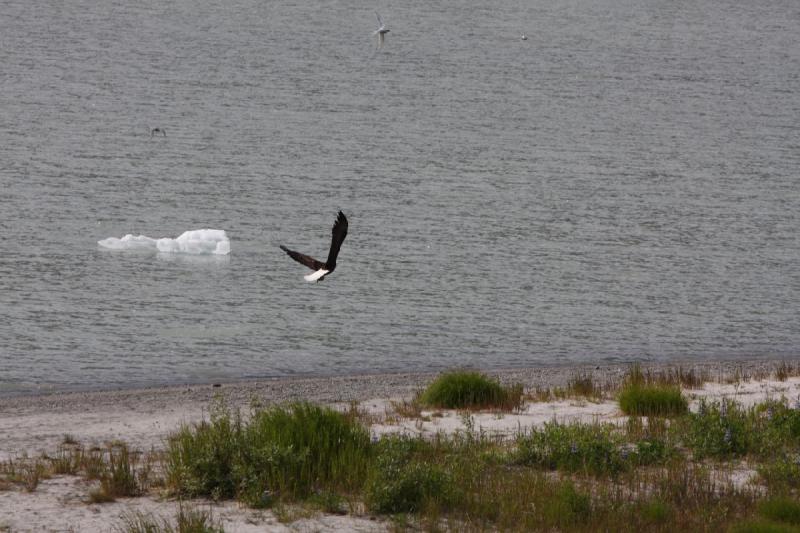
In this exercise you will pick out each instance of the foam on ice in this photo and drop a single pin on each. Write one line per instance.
(195, 242)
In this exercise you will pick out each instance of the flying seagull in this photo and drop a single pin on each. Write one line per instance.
(321, 269)
(381, 31)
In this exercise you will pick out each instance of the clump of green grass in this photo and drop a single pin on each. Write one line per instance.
(718, 430)
(784, 370)
(470, 390)
(597, 449)
(32, 474)
(67, 460)
(781, 474)
(304, 446)
(569, 506)
(200, 459)
(642, 395)
(93, 463)
(119, 479)
(724, 429)
(402, 480)
(583, 385)
(574, 447)
(652, 400)
(655, 512)
(692, 378)
(188, 520)
(329, 502)
(579, 385)
(69, 440)
(781, 509)
(283, 452)
(25, 471)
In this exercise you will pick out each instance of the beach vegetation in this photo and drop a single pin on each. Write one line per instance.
(575, 476)
(652, 400)
(583, 385)
(781, 509)
(67, 460)
(724, 429)
(692, 378)
(593, 449)
(655, 512)
(25, 472)
(647, 395)
(762, 526)
(579, 385)
(119, 477)
(93, 463)
(784, 370)
(782, 474)
(69, 440)
(647, 473)
(329, 502)
(187, 520)
(279, 453)
(587, 448)
(470, 390)
(407, 408)
(404, 478)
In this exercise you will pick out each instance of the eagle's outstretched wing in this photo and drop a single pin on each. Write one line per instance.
(306, 260)
(339, 232)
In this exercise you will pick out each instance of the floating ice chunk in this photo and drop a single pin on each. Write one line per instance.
(194, 242)
(199, 241)
(129, 242)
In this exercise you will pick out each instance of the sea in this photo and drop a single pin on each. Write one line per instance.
(621, 185)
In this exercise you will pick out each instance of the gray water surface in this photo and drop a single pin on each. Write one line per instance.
(623, 185)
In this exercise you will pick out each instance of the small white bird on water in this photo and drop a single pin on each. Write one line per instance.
(524, 37)
(381, 31)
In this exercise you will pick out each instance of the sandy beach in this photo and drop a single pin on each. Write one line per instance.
(143, 418)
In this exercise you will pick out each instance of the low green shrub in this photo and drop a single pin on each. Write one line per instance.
(597, 449)
(652, 400)
(200, 459)
(118, 479)
(283, 452)
(655, 512)
(403, 481)
(781, 509)
(293, 450)
(775, 428)
(569, 506)
(591, 448)
(463, 389)
(725, 429)
(781, 474)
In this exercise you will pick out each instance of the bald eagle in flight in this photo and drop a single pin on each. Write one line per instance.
(321, 269)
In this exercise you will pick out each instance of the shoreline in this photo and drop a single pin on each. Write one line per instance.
(555, 374)
(143, 417)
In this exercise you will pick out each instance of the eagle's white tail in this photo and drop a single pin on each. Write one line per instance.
(316, 275)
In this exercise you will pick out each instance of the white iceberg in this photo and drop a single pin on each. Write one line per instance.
(194, 242)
